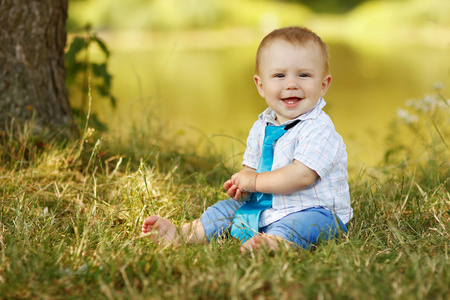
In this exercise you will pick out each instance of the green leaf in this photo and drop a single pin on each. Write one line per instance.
(78, 44)
(113, 101)
(101, 44)
(102, 90)
(100, 71)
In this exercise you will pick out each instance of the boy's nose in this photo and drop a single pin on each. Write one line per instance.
(292, 84)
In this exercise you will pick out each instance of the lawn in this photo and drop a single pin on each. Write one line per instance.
(71, 213)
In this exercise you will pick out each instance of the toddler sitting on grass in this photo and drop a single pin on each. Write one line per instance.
(294, 191)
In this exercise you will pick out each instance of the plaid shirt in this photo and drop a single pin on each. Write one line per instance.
(315, 143)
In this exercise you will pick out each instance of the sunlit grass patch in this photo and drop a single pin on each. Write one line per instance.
(71, 214)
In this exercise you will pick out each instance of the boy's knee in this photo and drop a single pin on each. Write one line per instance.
(218, 217)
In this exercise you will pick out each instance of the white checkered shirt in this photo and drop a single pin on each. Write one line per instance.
(315, 143)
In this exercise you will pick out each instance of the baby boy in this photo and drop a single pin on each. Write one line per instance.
(293, 188)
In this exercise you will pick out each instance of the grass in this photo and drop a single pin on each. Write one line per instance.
(71, 213)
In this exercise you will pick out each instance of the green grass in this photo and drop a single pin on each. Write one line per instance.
(71, 213)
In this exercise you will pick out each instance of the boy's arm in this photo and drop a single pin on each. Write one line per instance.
(286, 180)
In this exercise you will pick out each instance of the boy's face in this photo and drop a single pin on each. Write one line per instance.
(291, 78)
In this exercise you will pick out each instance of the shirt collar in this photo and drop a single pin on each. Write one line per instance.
(269, 116)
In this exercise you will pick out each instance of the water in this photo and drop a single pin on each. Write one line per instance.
(208, 91)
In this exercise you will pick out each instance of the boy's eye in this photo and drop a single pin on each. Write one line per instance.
(304, 75)
(279, 75)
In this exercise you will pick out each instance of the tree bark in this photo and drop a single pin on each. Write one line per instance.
(32, 66)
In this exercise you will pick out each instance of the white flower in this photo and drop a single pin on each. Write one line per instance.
(406, 117)
(410, 103)
(438, 86)
(402, 113)
(412, 119)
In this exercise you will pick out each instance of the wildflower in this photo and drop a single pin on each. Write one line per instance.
(438, 86)
(410, 103)
(406, 116)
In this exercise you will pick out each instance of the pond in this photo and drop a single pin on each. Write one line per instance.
(203, 88)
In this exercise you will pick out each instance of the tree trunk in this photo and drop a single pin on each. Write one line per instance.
(32, 69)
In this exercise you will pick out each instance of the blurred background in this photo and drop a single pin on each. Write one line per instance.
(189, 64)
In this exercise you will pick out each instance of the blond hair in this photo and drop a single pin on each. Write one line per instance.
(297, 36)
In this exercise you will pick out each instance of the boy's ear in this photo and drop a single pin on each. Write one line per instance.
(325, 85)
(258, 83)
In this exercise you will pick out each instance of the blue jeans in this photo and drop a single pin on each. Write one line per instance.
(304, 228)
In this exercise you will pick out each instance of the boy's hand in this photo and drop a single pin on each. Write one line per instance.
(235, 186)
(234, 192)
(245, 180)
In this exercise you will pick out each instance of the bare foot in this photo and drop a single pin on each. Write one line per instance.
(160, 230)
(265, 241)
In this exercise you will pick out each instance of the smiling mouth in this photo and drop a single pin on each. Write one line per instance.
(292, 101)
